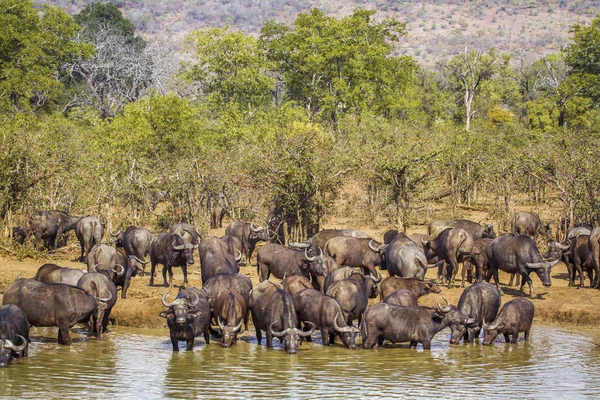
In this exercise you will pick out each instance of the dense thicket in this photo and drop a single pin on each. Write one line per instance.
(282, 122)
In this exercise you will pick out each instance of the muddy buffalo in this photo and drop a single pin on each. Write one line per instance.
(353, 295)
(402, 298)
(296, 283)
(273, 312)
(452, 246)
(229, 309)
(516, 316)
(116, 263)
(50, 225)
(396, 324)
(479, 302)
(14, 334)
(354, 252)
(103, 289)
(222, 282)
(403, 257)
(188, 316)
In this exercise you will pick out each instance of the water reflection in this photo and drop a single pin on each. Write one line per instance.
(133, 363)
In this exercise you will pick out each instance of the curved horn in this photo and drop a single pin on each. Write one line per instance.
(378, 278)
(310, 277)
(337, 327)
(275, 333)
(471, 321)
(254, 228)
(238, 326)
(374, 249)
(238, 258)
(115, 234)
(176, 247)
(544, 264)
(96, 267)
(444, 309)
(563, 246)
(140, 260)
(197, 299)
(320, 252)
(11, 345)
(115, 271)
(424, 242)
(306, 256)
(105, 299)
(221, 324)
(300, 245)
(163, 300)
(307, 333)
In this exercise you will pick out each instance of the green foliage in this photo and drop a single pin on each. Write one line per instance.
(231, 69)
(334, 67)
(32, 50)
(98, 16)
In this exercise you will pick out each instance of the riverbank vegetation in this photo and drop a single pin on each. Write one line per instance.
(95, 120)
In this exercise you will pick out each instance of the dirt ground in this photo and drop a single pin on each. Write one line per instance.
(558, 304)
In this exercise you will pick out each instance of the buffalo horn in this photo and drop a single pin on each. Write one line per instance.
(299, 245)
(337, 327)
(275, 333)
(121, 268)
(10, 345)
(115, 234)
(140, 261)
(373, 248)
(444, 309)
(176, 247)
(238, 326)
(221, 324)
(544, 264)
(163, 300)
(424, 242)
(254, 228)
(105, 299)
(562, 246)
(471, 321)
(306, 256)
(196, 299)
(96, 267)
(307, 333)
(320, 252)
(238, 258)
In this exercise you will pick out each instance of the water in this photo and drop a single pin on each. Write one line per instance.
(136, 363)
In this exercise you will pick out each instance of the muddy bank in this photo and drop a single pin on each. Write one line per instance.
(559, 304)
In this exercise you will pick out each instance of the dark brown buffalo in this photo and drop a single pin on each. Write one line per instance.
(219, 283)
(354, 252)
(136, 242)
(116, 263)
(50, 226)
(282, 261)
(403, 257)
(249, 235)
(581, 259)
(170, 251)
(215, 259)
(188, 316)
(518, 254)
(324, 312)
(296, 283)
(320, 239)
(353, 295)
(19, 234)
(479, 302)
(516, 316)
(89, 232)
(273, 312)
(14, 334)
(402, 298)
(229, 309)
(345, 273)
(389, 236)
(234, 245)
(478, 259)
(594, 245)
(52, 273)
(529, 223)
(476, 230)
(186, 231)
(452, 246)
(51, 305)
(396, 324)
(100, 286)
(417, 287)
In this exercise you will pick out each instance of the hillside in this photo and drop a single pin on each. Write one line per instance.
(528, 29)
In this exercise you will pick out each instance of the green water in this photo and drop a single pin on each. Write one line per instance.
(139, 364)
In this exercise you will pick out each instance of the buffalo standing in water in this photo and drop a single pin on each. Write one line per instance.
(479, 302)
(516, 316)
(188, 316)
(14, 329)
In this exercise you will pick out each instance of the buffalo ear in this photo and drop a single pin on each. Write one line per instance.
(166, 314)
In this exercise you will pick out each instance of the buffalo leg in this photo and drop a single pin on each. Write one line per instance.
(126, 282)
(506, 338)
(526, 335)
(413, 344)
(258, 335)
(515, 336)
(152, 268)
(269, 339)
(175, 343)
(190, 344)
(63, 335)
(332, 338)
(184, 270)
(426, 344)
(325, 336)
(207, 336)
(164, 275)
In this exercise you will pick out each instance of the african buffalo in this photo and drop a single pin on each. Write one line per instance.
(14, 329)
(407, 324)
(581, 258)
(320, 239)
(273, 312)
(402, 298)
(89, 232)
(417, 287)
(249, 235)
(353, 295)
(354, 252)
(52, 273)
(187, 232)
(324, 311)
(282, 261)
(476, 230)
(116, 263)
(389, 236)
(136, 242)
(516, 316)
(100, 286)
(594, 245)
(54, 304)
(51, 225)
(403, 257)
(479, 259)
(518, 254)
(170, 251)
(234, 245)
(480, 302)
(19, 234)
(229, 309)
(296, 283)
(188, 316)
(215, 258)
(451, 246)
(529, 223)
(221, 282)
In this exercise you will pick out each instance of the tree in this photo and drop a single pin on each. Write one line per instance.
(230, 69)
(32, 51)
(120, 70)
(471, 69)
(583, 59)
(334, 67)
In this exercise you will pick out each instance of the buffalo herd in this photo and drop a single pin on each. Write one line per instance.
(325, 285)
